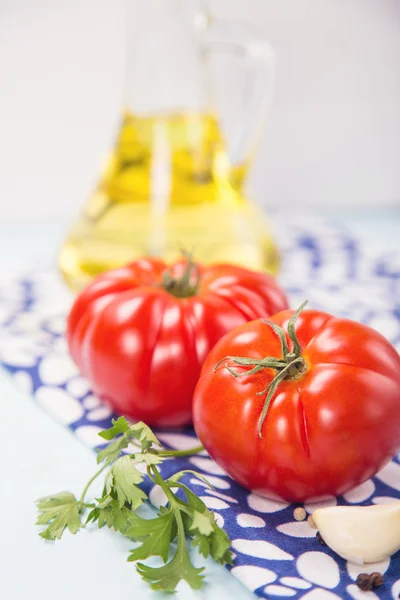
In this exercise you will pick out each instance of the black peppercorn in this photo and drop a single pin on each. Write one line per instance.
(366, 582)
(377, 579)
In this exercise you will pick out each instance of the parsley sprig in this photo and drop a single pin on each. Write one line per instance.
(165, 535)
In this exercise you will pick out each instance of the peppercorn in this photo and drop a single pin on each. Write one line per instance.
(377, 579)
(364, 582)
(299, 514)
(367, 581)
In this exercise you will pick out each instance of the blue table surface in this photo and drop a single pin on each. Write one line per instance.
(44, 457)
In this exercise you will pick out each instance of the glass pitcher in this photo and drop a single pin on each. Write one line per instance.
(175, 177)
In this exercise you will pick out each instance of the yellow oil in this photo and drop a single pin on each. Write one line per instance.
(168, 186)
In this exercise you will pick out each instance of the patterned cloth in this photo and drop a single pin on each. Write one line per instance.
(275, 556)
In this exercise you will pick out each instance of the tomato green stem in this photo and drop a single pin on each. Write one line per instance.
(273, 386)
(292, 329)
(184, 286)
(290, 366)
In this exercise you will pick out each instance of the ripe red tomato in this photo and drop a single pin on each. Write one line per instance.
(331, 424)
(140, 333)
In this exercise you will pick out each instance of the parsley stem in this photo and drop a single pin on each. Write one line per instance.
(175, 507)
(188, 452)
(89, 483)
(163, 485)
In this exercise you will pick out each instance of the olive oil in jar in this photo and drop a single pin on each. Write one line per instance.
(167, 186)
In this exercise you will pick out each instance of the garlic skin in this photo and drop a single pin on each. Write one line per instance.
(361, 534)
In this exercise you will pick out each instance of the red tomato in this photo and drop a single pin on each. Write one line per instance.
(140, 334)
(332, 424)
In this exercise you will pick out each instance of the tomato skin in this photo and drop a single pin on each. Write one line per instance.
(142, 348)
(324, 433)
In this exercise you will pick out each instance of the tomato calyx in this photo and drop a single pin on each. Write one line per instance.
(290, 367)
(187, 284)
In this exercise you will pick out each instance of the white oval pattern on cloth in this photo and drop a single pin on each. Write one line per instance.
(56, 369)
(319, 594)
(379, 567)
(78, 387)
(178, 441)
(383, 499)
(390, 475)
(89, 434)
(57, 325)
(360, 493)
(279, 590)
(98, 414)
(64, 408)
(299, 529)
(252, 576)
(219, 519)
(396, 589)
(217, 482)
(60, 345)
(358, 594)
(319, 568)
(222, 496)
(158, 497)
(295, 582)
(214, 503)
(386, 325)
(28, 321)
(264, 505)
(206, 464)
(260, 549)
(5, 314)
(246, 520)
(20, 357)
(91, 401)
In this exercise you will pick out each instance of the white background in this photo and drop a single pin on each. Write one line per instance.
(334, 131)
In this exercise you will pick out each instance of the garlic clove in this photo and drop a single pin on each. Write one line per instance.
(361, 534)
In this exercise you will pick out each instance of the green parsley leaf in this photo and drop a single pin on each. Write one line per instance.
(105, 500)
(144, 435)
(157, 533)
(112, 450)
(203, 522)
(108, 512)
(211, 539)
(122, 518)
(93, 516)
(125, 477)
(139, 431)
(60, 511)
(220, 546)
(168, 576)
(216, 545)
(120, 425)
(194, 502)
(148, 458)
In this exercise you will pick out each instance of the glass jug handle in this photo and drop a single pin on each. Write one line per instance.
(243, 41)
